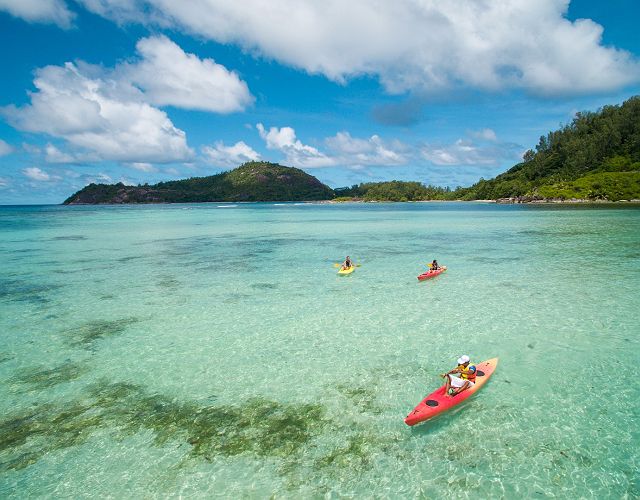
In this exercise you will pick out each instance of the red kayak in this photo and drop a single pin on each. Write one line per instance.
(438, 402)
(431, 274)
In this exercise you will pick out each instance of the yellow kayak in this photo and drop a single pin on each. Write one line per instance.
(348, 270)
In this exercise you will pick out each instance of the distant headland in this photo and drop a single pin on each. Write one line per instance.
(594, 158)
(253, 181)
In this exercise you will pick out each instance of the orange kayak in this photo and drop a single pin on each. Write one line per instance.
(438, 402)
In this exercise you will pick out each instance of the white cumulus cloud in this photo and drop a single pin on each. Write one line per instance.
(296, 153)
(39, 11)
(230, 156)
(407, 44)
(169, 76)
(97, 114)
(36, 174)
(113, 114)
(372, 151)
(341, 149)
(54, 155)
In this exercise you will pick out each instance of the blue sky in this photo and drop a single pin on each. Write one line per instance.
(441, 92)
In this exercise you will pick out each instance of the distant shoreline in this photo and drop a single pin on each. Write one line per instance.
(333, 202)
(500, 201)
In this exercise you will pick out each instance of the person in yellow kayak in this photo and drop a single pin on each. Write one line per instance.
(348, 263)
(434, 265)
(461, 378)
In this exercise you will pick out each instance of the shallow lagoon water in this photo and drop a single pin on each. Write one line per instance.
(211, 350)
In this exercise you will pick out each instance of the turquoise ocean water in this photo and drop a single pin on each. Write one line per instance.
(212, 351)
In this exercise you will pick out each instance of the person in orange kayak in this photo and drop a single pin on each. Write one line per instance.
(347, 263)
(461, 378)
(434, 265)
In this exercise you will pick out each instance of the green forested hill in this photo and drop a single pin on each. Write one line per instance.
(577, 161)
(253, 181)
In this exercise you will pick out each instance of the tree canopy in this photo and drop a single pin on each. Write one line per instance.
(593, 144)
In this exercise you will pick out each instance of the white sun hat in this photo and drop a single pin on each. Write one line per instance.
(463, 359)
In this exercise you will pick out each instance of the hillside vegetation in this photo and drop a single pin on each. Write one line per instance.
(576, 161)
(253, 181)
(394, 191)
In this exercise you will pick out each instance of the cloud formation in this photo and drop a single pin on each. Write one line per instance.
(39, 11)
(5, 148)
(170, 77)
(466, 152)
(54, 155)
(229, 156)
(36, 174)
(296, 153)
(352, 151)
(99, 115)
(427, 45)
(341, 149)
(358, 153)
(112, 114)
(485, 134)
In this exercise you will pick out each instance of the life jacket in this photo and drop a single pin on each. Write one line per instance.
(468, 373)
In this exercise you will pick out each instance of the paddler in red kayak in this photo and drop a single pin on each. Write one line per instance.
(434, 265)
(462, 377)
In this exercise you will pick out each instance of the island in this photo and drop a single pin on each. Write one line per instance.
(252, 181)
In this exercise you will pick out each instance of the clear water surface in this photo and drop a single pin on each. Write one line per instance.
(211, 350)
